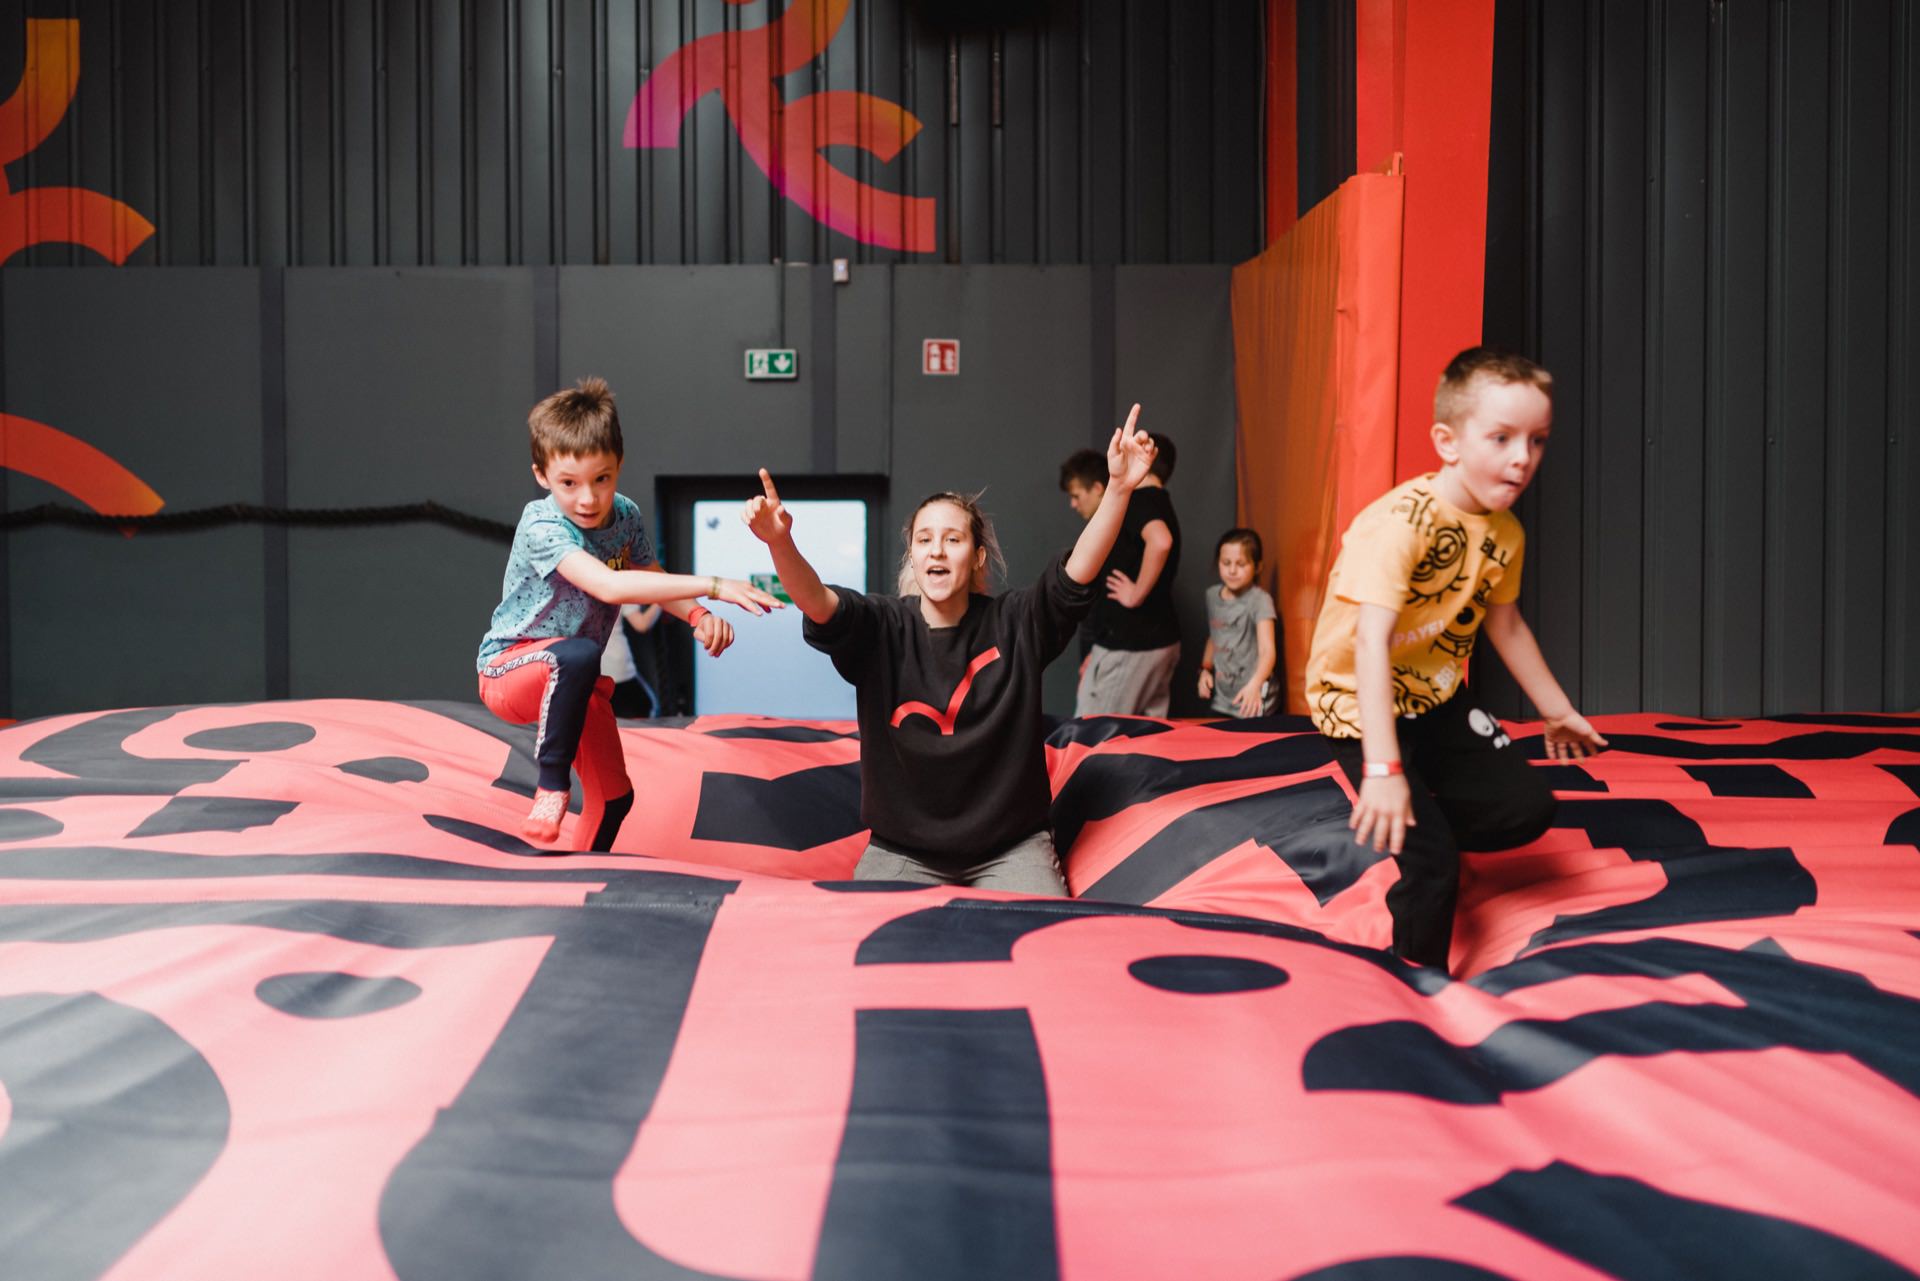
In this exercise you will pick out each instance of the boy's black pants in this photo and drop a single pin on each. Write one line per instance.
(1472, 790)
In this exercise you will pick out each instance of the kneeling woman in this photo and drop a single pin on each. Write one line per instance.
(953, 766)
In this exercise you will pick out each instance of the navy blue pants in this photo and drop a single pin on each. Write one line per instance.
(556, 686)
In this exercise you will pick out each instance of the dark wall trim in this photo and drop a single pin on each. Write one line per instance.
(546, 331)
(1102, 338)
(273, 476)
(825, 345)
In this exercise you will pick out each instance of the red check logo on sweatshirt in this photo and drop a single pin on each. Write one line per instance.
(945, 721)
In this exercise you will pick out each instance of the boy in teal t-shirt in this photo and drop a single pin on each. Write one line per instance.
(578, 555)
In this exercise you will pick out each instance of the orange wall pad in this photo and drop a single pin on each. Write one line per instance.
(1316, 330)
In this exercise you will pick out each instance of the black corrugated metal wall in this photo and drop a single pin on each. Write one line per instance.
(1703, 221)
(489, 132)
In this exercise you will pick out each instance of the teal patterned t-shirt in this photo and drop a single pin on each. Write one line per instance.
(536, 602)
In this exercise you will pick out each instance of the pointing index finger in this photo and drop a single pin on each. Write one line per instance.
(766, 483)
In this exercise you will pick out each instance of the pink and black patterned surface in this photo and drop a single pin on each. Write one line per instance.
(282, 995)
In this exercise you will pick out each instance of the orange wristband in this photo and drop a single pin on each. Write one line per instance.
(1381, 769)
(697, 613)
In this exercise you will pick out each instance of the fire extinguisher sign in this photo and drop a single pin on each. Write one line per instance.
(940, 356)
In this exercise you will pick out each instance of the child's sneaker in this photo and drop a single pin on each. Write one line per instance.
(543, 821)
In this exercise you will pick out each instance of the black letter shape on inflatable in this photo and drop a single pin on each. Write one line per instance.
(1907, 774)
(965, 930)
(1822, 745)
(518, 773)
(91, 755)
(1304, 825)
(795, 811)
(972, 1089)
(1402, 1267)
(945, 1171)
(82, 1159)
(1759, 779)
(1109, 782)
(1785, 1004)
(1704, 882)
(515, 1179)
(1628, 1229)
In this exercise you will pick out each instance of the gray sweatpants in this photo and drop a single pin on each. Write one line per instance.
(1126, 682)
(1029, 867)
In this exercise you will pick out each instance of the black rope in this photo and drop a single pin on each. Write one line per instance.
(251, 514)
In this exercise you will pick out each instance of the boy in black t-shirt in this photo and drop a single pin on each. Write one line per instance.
(1135, 634)
(953, 767)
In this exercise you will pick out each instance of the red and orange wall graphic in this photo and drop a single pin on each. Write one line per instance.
(787, 139)
(55, 215)
(71, 464)
(61, 215)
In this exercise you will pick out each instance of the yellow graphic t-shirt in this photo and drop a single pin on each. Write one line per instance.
(1440, 568)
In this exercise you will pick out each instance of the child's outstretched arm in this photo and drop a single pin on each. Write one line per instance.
(772, 524)
(1383, 811)
(678, 594)
(1568, 734)
(1130, 456)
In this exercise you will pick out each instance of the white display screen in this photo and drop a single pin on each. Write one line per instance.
(770, 670)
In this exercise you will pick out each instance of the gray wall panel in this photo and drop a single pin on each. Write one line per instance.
(1017, 408)
(390, 612)
(863, 373)
(160, 370)
(101, 621)
(402, 386)
(1173, 352)
(672, 343)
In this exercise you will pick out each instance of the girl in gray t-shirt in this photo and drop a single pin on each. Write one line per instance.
(1237, 669)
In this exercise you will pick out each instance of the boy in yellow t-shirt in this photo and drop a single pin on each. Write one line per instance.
(1421, 570)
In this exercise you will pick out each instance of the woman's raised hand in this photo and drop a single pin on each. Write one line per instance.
(1130, 454)
(765, 515)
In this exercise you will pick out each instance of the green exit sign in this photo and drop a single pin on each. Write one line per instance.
(772, 362)
(770, 584)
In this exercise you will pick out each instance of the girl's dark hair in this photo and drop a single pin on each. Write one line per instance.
(1247, 538)
(979, 525)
